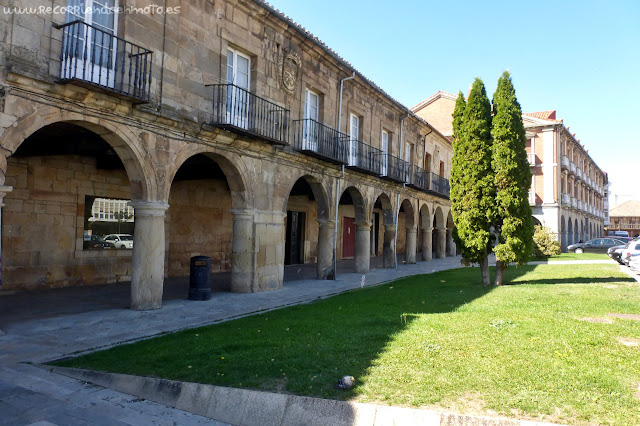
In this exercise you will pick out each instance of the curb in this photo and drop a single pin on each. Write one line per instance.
(250, 407)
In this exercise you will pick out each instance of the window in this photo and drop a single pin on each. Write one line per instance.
(95, 43)
(311, 117)
(238, 75)
(354, 135)
(384, 144)
(427, 162)
(442, 169)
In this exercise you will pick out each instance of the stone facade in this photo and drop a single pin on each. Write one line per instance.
(201, 181)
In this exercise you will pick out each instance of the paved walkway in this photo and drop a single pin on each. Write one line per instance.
(68, 322)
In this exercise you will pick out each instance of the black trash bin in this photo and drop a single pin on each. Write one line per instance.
(200, 278)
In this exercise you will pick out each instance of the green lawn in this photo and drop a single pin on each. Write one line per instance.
(576, 256)
(440, 341)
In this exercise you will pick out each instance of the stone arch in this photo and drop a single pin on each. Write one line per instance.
(359, 203)
(426, 236)
(450, 244)
(426, 221)
(388, 213)
(576, 231)
(409, 212)
(438, 218)
(355, 232)
(582, 236)
(120, 137)
(320, 193)
(439, 234)
(570, 237)
(563, 234)
(231, 164)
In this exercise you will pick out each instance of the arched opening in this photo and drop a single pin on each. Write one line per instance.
(308, 231)
(535, 221)
(354, 230)
(582, 233)
(407, 232)
(450, 246)
(563, 234)
(439, 234)
(426, 232)
(382, 232)
(206, 218)
(576, 232)
(72, 183)
(570, 234)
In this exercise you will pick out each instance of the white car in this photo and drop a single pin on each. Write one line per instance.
(631, 249)
(634, 262)
(121, 241)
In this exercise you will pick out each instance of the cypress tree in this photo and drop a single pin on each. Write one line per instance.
(472, 181)
(512, 177)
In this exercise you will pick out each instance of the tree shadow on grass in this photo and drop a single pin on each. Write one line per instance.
(513, 276)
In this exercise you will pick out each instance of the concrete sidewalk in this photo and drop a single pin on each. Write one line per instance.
(29, 394)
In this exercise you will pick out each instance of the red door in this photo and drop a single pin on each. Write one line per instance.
(349, 237)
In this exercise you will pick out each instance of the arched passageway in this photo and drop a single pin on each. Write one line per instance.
(426, 230)
(407, 232)
(383, 230)
(439, 243)
(354, 230)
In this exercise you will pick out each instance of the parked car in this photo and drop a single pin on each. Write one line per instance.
(615, 253)
(623, 239)
(630, 249)
(634, 262)
(597, 245)
(122, 241)
(97, 242)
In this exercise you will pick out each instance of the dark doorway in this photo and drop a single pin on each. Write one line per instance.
(294, 244)
(349, 237)
(375, 234)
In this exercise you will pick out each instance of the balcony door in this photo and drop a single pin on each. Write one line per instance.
(93, 46)
(311, 117)
(238, 78)
(354, 134)
(385, 153)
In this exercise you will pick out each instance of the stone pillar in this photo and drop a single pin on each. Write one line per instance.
(147, 260)
(442, 243)
(389, 249)
(4, 190)
(326, 234)
(427, 239)
(450, 245)
(242, 252)
(410, 246)
(363, 247)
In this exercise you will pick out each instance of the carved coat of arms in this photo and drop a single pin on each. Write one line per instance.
(290, 69)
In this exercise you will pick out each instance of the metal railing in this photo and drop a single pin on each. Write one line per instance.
(531, 157)
(92, 55)
(440, 185)
(318, 140)
(419, 178)
(394, 168)
(564, 162)
(364, 157)
(237, 109)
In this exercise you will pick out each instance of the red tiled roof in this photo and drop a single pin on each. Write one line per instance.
(544, 115)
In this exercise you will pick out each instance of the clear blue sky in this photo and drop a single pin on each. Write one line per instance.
(581, 58)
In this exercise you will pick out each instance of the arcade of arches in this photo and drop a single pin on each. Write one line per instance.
(252, 212)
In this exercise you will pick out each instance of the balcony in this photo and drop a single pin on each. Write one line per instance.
(564, 162)
(574, 203)
(572, 167)
(419, 178)
(578, 173)
(242, 112)
(440, 185)
(566, 199)
(97, 58)
(394, 168)
(363, 157)
(531, 157)
(320, 141)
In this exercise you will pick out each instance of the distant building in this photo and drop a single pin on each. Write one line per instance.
(625, 217)
(568, 190)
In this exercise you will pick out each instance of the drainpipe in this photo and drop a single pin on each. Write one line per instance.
(395, 242)
(335, 230)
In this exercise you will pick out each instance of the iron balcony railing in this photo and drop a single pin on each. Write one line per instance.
(440, 185)
(239, 110)
(395, 169)
(364, 158)
(94, 56)
(419, 178)
(318, 140)
(564, 162)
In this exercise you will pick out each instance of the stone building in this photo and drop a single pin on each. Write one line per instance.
(231, 131)
(568, 190)
(625, 217)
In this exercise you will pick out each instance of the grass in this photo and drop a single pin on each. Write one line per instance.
(576, 256)
(440, 341)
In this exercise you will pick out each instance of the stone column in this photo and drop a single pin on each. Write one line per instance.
(326, 234)
(242, 252)
(427, 239)
(4, 190)
(450, 244)
(147, 261)
(389, 249)
(363, 247)
(411, 244)
(442, 243)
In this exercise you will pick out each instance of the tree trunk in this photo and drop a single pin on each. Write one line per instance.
(500, 268)
(484, 268)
